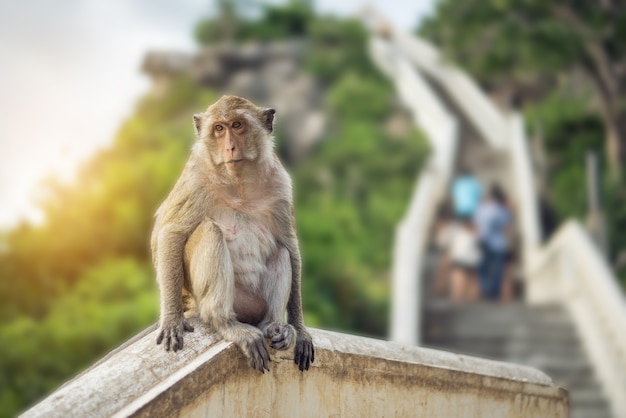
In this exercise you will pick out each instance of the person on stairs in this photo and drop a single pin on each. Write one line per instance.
(465, 255)
(466, 193)
(492, 220)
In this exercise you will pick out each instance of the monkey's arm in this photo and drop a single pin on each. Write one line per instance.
(304, 351)
(170, 276)
(177, 218)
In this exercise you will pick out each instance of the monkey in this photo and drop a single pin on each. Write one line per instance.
(225, 238)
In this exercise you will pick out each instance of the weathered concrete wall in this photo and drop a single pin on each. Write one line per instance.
(351, 376)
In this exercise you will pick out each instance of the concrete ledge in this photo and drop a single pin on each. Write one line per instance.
(351, 376)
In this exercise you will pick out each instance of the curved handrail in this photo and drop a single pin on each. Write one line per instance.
(413, 231)
(572, 271)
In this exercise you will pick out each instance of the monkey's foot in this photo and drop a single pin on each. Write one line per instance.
(171, 330)
(282, 335)
(304, 352)
(252, 343)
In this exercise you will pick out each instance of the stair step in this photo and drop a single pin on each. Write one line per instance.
(541, 337)
(589, 413)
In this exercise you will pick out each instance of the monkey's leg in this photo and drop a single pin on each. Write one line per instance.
(276, 286)
(213, 282)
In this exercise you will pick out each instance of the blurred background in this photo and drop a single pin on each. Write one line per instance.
(96, 125)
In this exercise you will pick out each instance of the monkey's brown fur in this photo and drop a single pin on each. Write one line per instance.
(226, 235)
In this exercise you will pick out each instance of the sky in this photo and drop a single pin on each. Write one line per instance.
(69, 75)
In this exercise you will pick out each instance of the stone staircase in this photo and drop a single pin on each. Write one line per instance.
(539, 336)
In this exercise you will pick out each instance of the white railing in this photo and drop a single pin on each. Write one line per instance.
(525, 194)
(408, 258)
(413, 231)
(500, 131)
(572, 271)
(466, 94)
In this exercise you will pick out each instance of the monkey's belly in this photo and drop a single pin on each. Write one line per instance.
(249, 307)
(250, 245)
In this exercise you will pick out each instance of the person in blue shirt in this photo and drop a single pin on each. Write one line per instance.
(492, 220)
(466, 194)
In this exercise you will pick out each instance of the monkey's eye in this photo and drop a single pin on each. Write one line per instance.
(219, 128)
(236, 124)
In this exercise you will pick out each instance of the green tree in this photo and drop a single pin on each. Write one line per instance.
(337, 46)
(235, 23)
(350, 195)
(113, 300)
(537, 42)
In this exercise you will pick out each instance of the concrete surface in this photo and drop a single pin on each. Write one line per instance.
(351, 376)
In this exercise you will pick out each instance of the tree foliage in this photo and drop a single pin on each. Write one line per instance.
(111, 301)
(277, 22)
(536, 42)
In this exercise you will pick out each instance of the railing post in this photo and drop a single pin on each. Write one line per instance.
(524, 180)
(412, 233)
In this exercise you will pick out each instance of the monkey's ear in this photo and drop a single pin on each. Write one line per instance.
(268, 119)
(197, 123)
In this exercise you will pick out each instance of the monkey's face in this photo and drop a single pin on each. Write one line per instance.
(235, 132)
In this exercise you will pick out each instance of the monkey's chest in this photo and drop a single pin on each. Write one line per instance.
(249, 241)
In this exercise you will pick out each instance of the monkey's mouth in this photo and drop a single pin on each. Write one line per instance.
(234, 161)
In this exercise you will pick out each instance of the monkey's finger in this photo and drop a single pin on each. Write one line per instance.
(187, 327)
(159, 338)
(279, 336)
(312, 353)
(264, 354)
(178, 342)
(309, 356)
(253, 356)
(302, 362)
(266, 361)
(278, 345)
(168, 342)
(298, 352)
(303, 355)
(278, 341)
(283, 341)
(255, 362)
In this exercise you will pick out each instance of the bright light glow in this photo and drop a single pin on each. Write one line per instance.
(70, 75)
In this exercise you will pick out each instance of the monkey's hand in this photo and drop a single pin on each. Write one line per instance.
(282, 336)
(304, 352)
(171, 329)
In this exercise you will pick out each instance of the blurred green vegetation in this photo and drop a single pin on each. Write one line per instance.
(81, 283)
